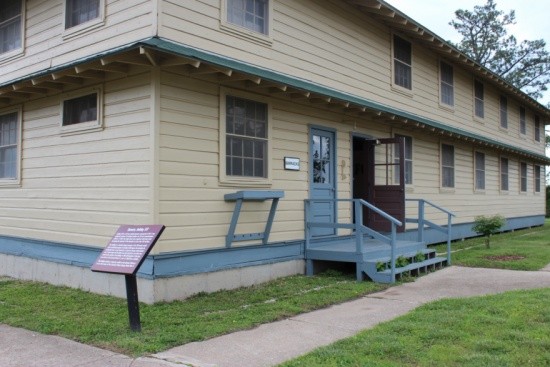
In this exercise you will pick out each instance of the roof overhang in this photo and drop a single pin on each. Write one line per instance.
(399, 21)
(206, 65)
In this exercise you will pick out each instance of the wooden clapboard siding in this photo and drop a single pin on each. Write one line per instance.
(78, 188)
(334, 45)
(46, 47)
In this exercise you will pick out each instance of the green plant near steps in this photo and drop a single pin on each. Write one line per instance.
(401, 261)
(419, 257)
(380, 266)
(487, 226)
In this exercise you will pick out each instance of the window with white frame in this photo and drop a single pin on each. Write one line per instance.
(447, 166)
(408, 168)
(82, 110)
(11, 26)
(522, 121)
(246, 138)
(402, 62)
(503, 112)
(523, 176)
(537, 128)
(446, 77)
(537, 177)
(9, 146)
(479, 99)
(81, 11)
(250, 14)
(504, 175)
(480, 171)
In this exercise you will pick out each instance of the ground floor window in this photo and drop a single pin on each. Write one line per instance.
(537, 178)
(504, 174)
(9, 131)
(408, 160)
(246, 138)
(447, 166)
(480, 170)
(523, 176)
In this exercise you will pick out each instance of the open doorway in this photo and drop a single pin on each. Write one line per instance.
(378, 177)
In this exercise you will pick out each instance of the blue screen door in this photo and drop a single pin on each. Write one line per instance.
(322, 178)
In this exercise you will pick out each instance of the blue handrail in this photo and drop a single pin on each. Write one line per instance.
(423, 222)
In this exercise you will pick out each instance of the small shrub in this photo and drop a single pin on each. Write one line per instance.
(419, 257)
(401, 261)
(487, 226)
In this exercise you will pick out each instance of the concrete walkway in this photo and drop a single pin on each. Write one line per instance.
(273, 343)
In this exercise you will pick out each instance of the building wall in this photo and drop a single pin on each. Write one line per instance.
(78, 188)
(191, 194)
(335, 45)
(48, 45)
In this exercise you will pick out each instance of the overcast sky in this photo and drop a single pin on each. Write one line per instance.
(532, 18)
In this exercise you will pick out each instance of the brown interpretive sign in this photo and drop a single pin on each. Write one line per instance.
(127, 249)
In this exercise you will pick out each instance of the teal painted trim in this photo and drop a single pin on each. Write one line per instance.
(187, 51)
(216, 59)
(162, 265)
(464, 230)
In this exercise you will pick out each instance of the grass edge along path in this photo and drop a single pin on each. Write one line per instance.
(508, 329)
(103, 320)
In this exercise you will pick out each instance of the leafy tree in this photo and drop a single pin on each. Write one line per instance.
(525, 65)
(487, 226)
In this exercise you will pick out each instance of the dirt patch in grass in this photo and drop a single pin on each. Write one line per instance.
(505, 258)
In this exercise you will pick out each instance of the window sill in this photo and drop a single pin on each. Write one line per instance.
(446, 190)
(83, 28)
(10, 183)
(81, 128)
(245, 182)
(446, 107)
(245, 33)
(12, 55)
(402, 90)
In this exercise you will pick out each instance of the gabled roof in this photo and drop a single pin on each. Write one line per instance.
(398, 20)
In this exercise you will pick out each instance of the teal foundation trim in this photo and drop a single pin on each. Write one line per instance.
(174, 264)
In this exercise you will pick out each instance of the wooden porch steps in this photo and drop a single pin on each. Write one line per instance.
(379, 270)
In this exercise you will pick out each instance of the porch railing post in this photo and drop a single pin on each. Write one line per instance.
(421, 208)
(392, 251)
(449, 229)
(306, 222)
(358, 209)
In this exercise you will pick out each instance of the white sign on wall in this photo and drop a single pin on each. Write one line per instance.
(292, 164)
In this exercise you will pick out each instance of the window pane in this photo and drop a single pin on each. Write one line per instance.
(8, 146)
(250, 14)
(504, 174)
(402, 53)
(522, 122)
(447, 163)
(81, 109)
(479, 98)
(10, 25)
(246, 135)
(81, 11)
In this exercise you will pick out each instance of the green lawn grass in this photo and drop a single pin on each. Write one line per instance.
(527, 249)
(510, 329)
(103, 321)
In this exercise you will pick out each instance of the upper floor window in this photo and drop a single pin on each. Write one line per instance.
(446, 83)
(504, 174)
(246, 139)
(537, 128)
(10, 25)
(522, 121)
(537, 178)
(9, 146)
(402, 62)
(523, 176)
(81, 11)
(447, 165)
(249, 14)
(479, 99)
(503, 112)
(408, 160)
(480, 170)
